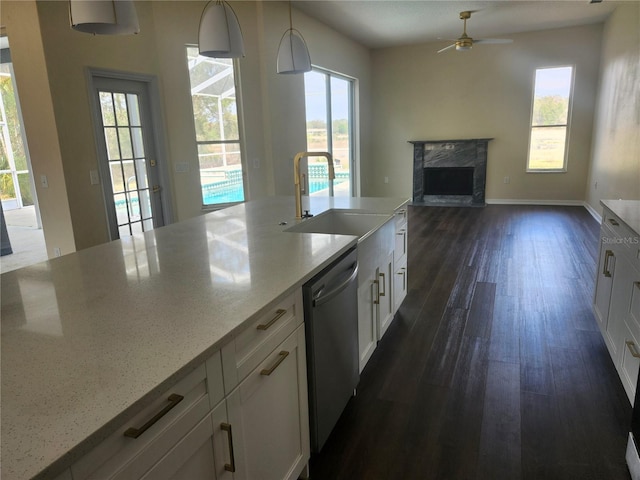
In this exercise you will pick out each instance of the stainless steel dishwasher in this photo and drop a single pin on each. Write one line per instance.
(331, 327)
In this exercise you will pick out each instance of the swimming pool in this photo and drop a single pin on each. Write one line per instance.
(228, 192)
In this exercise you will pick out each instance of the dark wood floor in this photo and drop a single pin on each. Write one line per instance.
(494, 367)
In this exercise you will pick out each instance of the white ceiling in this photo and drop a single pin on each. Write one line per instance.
(386, 23)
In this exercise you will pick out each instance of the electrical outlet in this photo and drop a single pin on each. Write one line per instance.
(94, 177)
(595, 185)
(57, 252)
(507, 180)
(386, 179)
(44, 181)
(256, 163)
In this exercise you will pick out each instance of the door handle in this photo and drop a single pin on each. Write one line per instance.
(155, 188)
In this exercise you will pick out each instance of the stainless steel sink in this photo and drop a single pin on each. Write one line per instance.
(342, 222)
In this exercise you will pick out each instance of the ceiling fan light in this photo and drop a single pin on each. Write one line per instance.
(104, 17)
(220, 35)
(463, 47)
(293, 54)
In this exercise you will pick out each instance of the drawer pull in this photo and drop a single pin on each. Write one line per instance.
(613, 222)
(605, 270)
(279, 313)
(632, 348)
(384, 284)
(229, 467)
(174, 399)
(281, 356)
(376, 300)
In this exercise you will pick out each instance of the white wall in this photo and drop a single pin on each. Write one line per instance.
(616, 140)
(273, 105)
(482, 93)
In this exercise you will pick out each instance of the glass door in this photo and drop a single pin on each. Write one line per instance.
(129, 170)
(329, 111)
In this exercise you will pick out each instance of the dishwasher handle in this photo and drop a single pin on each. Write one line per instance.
(325, 297)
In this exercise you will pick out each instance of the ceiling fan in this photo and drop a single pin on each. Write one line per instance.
(465, 42)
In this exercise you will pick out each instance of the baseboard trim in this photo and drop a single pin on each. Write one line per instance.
(518, 201)
(594, 213)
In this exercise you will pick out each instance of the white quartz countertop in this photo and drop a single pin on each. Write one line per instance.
(89, 338)
(626, 210)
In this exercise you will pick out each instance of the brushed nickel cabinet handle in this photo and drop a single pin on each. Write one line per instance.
(229, 467)
(632, 348)
(174, 399)
(383, 293)
(279, 313)
(613, 222)
(281, 356)
(605, 270)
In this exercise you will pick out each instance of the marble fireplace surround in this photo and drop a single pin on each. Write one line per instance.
(450, 153)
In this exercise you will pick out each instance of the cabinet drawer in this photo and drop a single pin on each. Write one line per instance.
(621, 234)
(122, 456)
(400, 216)
(400, 251)
(241, 355)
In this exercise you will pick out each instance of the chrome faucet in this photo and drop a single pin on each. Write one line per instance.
(296, 174)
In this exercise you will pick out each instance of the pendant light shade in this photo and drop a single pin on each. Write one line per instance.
(104, 17)
(220, 35)
(293, 54)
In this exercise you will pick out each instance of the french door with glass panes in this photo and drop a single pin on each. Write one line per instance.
(128, 161)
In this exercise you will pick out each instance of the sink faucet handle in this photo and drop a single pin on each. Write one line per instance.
(307, 214)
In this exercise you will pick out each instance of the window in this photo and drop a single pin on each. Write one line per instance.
(329, 111)
(550, 120)
(215, 114)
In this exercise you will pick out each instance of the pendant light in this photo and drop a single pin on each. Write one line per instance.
(220, 35)
(293, 54)
(104, 17)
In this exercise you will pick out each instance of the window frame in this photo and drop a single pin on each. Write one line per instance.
(353, 130)
(239, 141)
(567, 126)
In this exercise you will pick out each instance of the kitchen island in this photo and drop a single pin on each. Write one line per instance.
(89, 339)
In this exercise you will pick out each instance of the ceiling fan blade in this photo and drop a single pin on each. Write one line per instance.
(446, 48)
(494, 41)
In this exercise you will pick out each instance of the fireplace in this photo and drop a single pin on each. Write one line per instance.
(448, 181)
(450, 172)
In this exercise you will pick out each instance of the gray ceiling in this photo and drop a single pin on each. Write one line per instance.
(386, 23)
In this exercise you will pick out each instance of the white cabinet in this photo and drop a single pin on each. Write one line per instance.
(199, 455)
(617, 298)
(269, 416)
(375, 289)
(400, 277)
(243, 414)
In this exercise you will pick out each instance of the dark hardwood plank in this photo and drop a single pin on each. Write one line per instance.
(494, 367)
(500, 438)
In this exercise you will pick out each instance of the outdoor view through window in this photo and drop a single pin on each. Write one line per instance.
(215, 115)
(550, 119)
(329, 110)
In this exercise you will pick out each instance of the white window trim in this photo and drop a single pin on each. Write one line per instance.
(568, 125)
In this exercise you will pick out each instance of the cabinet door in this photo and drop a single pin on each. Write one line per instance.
(602, 300)
(368, 290)
(199, 455)
(385, 302)
(399, 286)
(269, 416)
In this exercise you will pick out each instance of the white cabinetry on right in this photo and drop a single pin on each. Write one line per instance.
(617, 297)
(400, 283)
